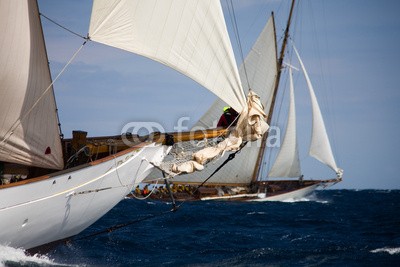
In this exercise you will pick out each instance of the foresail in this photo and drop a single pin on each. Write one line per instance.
(287, 162)
(320, 147)
(27, 136)
(187, 35)
(262, 70)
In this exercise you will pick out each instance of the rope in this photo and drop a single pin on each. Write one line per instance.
(118, 226)
(116, 171)
(59, 25)
(236, 31)
(230, 157)
(148, 195)
(91, 191)
(75, 156)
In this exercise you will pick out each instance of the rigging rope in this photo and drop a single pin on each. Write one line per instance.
(236, 31)
(74, 33)
(230, 157)
(146, 197)
(59, 25)
(118, 226)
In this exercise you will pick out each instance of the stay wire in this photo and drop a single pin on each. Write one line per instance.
(118, 226)
(65, 28)
(236, 32)
(230, 157)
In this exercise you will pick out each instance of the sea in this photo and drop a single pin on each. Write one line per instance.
(329, 228)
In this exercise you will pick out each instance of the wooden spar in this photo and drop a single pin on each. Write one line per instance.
(99, 145)
(257, 167)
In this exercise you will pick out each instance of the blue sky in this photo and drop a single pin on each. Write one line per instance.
(350, 49)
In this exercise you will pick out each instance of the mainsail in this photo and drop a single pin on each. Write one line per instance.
(287, 162)
(261, 70)
(320, 147)
(187, 35)
(29, 134)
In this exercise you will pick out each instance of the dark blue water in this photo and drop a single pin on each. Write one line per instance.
(331, 228)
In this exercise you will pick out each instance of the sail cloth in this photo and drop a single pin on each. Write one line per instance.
(189, 36)
(250, 127)
(320, 147)
(287, 163)
(261, 67)
(27, 136)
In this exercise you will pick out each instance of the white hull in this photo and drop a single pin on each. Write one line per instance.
(296, 194)
(63, 205)
(261, 197)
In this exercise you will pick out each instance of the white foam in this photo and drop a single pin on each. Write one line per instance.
(311, 198)
(9, 254)
(256, 212)
(300, 238)
(391, 251)
(293, 200)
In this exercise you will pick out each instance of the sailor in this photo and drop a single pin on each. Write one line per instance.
(161, 190)
(228, 118)
(137, 191)
(145, 191)
(301, 179)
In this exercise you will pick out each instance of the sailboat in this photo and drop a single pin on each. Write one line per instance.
(241, 179)
(53, 188)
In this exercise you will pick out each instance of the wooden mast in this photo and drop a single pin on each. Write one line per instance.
(257, 167)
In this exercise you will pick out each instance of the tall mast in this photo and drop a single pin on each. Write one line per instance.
(278, 76)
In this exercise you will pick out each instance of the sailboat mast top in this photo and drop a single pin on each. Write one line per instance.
(275, 92)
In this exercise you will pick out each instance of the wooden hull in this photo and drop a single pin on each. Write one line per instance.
(45, 209)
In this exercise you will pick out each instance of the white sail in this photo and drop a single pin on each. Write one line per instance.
(29, 133)
(287, 162)
(320, 147)
(262, 70)
(187, 35)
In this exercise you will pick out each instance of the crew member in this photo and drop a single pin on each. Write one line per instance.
(228, 118)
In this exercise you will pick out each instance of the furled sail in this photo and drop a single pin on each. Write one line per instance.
(320, 147)
(287, 162)
(262, 70)
(187, 35)
(29, 133)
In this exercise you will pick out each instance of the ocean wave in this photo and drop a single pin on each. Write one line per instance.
(13, 255)
(256, 212)
(311, 198)
(17, 256)
(391, 251)
(294, 200)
